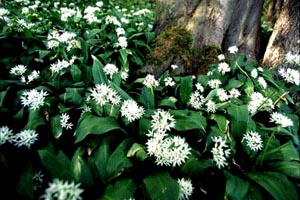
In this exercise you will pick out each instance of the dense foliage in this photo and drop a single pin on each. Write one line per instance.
(75, 123)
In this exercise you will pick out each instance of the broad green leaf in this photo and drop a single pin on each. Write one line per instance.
(144, 126)
(76, 73)
(147, 98)
(288, 168)
(118, 162)
(167, 102)
(278, 186)
(236, 188)
(120, 91)
(233, 84)
(80, 170)
(191, 121)
(102, 154)
(122, 189)
(98, 73)
(34, 120)
(56, 128)
(240, 119)
(123, 53)
(138, 151)
(72, 96)
(25, 184)
(91, 124)
(186, 88)
(222, 122)
(161, 186)
(287, 152)
(194, 166)
(58, 165)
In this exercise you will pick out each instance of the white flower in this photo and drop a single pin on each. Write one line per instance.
(122, 42)
(112, 20)
(103, 94)
(211, 106)
(281, 119)
(214, 83)
(60, 64)
(162, 121)
(223, 67)
(120, 31)
(26, 138)
(221, 57)
(220, 152)
(174, 66)
(18, 70)
(262, 82)
(110, 69)
(292, 58)
(170, 151)
(254, 73)
(37, 179)
(186, 188)
(99, 4)
(290, 75)
(169, 81)
(131, 110)
(90, 14)
(61, 190)
(234, 93)
(223, 96)
(199, 87)
(253, 140)
(33, 98)
(196, 100)
(150, 81)
(66, 13)
(33, 76)
(124, 75)
(233, 49)
(6, 135)
(64, 121)
(258, 102)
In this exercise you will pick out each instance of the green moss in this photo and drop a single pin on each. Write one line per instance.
(208, 56)
(173, 43)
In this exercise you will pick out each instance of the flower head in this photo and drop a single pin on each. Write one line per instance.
(259, 102)
(223, 67)
(131, 110)
(110, 69)
(290, 75)
(253, 140)
(186, 188)
(220, 152)
(61, 190)
(64, 121)
(214, 83)
(150, 81)
(169, 81)
(196, 100)
(233, 49)
(6, 135)
(221, 57)
(211, 106)
(25, 138)
(18, 70)
(33, 98)
(162, 121)
(103, 94)
(281, 119)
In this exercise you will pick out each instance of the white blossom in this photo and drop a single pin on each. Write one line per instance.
(281, 119)
(162, 121)
(25, 138)
(150, 81)
(186, 188)
(6, 135)
(220, 152)
(33, 98)
(196, 100)
(233, 49)
(131, 110)
(253, 140)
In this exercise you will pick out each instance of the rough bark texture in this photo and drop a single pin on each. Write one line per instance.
(285, 36)
(211, 23)
(274, 8)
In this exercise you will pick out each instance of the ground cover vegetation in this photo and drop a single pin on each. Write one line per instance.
(75, 123)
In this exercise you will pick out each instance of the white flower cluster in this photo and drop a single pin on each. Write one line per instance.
(258, 102)
(186, 188)
(33, 98)
(223, 67)
(169, 81)
(196, 100)
(18, 70)
(64, 121)
(220, 152)
(90, 13)
(66, 13)
(23, 138)
(62, 190)
(110, 69)
(293, 59)
(168, 150)
(131, 110)
(103, 94)
(54, 39)
(281, 119)
(62, 64)
(253, 140)
(290, 75)
(150, 81)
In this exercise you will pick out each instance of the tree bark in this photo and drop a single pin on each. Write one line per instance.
(285, 36)
(215, 23)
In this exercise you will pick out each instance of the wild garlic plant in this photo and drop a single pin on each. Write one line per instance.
(75, 123)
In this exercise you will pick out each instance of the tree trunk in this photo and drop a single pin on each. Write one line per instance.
(274, 8)
(214, 25)
(285, 36)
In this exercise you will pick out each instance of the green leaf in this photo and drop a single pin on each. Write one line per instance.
(167, 102)
(118, 162)
(122, 189)
(76, 73)
(25, 184)
(123, 53)
(91, 124)
(222, 122)
(34, 120)
(236, 188)
(195, 166)
(233, 84)
(58, 165)
(249, 87)
(287, 152)
(186, 88)
(279, 187)
(147, 98)
(288, 168)
(56, 128)
(120, 91)
(138, 151)
(161, 186)
(80, 170)
(72, 96)
(98, 73)
(239, 118)
(193, 120)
